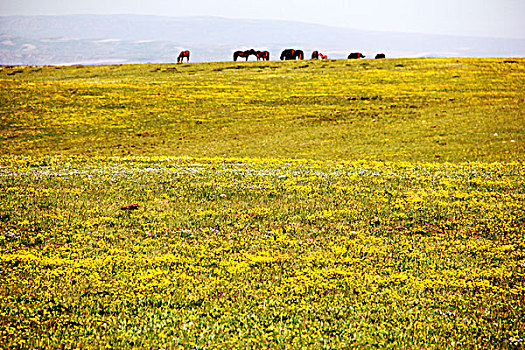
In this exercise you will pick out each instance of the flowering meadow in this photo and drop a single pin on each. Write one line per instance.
(333, 204)
(395, 109)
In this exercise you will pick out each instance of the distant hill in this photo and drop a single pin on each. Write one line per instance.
(97, 39)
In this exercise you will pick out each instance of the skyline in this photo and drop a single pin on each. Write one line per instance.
(500, 18)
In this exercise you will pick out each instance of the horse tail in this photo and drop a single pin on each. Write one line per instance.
(235, 55)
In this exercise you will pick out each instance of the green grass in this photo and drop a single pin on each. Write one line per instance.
(399, 109)
(313, 204)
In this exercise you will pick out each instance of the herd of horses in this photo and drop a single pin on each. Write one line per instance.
(261, 55)
(288, 54)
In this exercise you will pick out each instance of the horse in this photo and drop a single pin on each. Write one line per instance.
(317, 55)
(380, 55)
(243, 54)
(183, 54)
(299, 54)
(263, 55)
(356, 55)
(288, 54)
(291, 54)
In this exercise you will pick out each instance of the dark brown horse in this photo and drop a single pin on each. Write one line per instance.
(317, 55)
(288, 54)
(291, 54)
(356, 55)
(263, 55)
(243, 54)
(183, 54)
(380, 55)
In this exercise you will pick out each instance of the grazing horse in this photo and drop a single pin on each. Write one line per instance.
(291, 54)
(288, 54)
(263, 55)
(183, 54)
(299, 54)
(317, 55)
(380, 55)
(356, 55)
(243, 54)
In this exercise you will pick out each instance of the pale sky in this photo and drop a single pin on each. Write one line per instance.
(494, 18)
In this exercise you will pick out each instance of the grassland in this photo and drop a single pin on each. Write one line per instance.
(421, 110)
(311, 204)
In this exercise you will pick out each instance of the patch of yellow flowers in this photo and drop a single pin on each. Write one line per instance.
(260, 253)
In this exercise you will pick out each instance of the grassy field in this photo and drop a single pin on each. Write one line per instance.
(308, 204)
(416, 110)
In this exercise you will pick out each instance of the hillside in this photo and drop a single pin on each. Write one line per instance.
(393, 109)
(263, 205)
(141, 39)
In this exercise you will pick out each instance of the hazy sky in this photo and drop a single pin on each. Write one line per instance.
(496, 18)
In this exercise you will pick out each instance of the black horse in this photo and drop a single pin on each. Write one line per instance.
(287, 54)
(315, 55)
(183, 54)
(243, 54)
(356, 55)
(380, 55)
(291, 54)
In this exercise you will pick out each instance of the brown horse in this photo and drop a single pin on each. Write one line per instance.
(291, 54)
(356, 55)
(183, 54)
(243, 54)
(317, 55)
(287, 54)
(263, 55)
